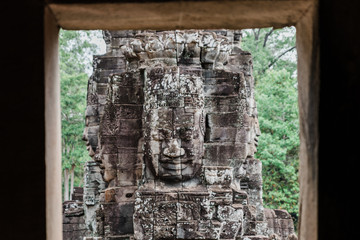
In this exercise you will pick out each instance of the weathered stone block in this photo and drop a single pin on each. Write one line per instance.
(166, 196)
(250, 212)
(188, 230)
(209, 55)
(123, 237)
(129, 95)
(109, 128)
(254, 238)
(143, 228)
(255, 182)
(232, 151)
(127, 158)
(221, 134)
(107, 62)
(249, 228)
(93, 238)
(220, 89)
(229, 213)
(111, 35)
(119, 217)
(220, 196)
(187, 211)
(240, 197)
(127, 79)
(124, 141)
(130, 127)
(73, 220)
(221, 176)
(229, 229)
(210, 229)
(125, 177)
(109, 160)
(120, 194)
(130, 112)
(103, 75)
(109, 148)
(283, 214)
(108, 140)
(167, 232)
(243, 136)
(144, 206)
(165, 213)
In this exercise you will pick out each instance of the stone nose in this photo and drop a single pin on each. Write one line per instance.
(85, 133)
(174, 149)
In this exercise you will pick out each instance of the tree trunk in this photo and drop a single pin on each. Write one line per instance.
(66, 184)
(72, 180)
(81, 182)
(256, 34)
(267, 36)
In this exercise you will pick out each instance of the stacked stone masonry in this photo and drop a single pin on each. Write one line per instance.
(74, 227)
(171, 127)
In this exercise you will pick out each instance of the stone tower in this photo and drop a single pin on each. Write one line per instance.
(171, 126)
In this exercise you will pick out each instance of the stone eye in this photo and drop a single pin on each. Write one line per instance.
(162, 134)
(166, 133)
(186, 133)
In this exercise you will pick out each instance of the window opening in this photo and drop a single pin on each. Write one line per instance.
(274, 74)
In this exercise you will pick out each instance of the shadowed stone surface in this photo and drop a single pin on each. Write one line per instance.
(73, 220)
(171, 126)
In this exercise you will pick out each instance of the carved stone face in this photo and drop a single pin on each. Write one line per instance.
(174, 129)
(91, 130)
(176, 144)
(91, 142)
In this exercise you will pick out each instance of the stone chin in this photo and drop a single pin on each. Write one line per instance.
(90, 150)
(176, 178)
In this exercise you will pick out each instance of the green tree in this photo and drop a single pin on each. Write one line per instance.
(75, 53)
(279, 141)
(271, 49)
(274, 60)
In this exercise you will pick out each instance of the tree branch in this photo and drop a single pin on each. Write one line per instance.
(256, 34)
(278, 57)
(267, 36)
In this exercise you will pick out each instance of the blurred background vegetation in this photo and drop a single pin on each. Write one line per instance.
(275, 66)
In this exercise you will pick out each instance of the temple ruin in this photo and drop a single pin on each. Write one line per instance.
(171, 127)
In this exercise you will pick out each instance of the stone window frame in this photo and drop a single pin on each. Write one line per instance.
(190, 14)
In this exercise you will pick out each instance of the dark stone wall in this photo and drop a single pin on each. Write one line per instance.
(22, 120)
(339, 119)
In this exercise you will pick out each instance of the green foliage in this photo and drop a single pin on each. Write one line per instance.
(271, 49)
(75, 53)
(73, 104)
(274, 60)
(279, 141)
